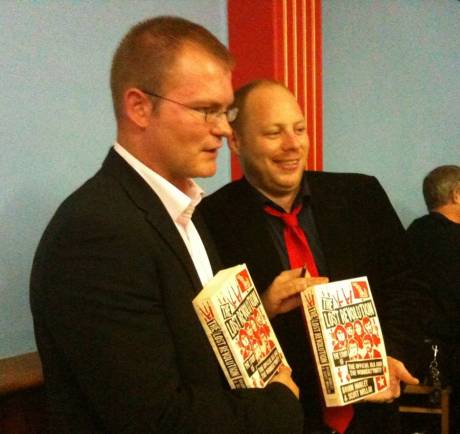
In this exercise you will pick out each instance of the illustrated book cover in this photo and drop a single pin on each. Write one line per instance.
(239, 331)
(347, 340)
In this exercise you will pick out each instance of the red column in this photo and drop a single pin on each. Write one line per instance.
(281, 40)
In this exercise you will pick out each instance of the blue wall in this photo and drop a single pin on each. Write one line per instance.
(391, 72)
(391, 99)
(57, 123)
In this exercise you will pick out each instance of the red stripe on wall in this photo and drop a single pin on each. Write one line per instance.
(281, 39)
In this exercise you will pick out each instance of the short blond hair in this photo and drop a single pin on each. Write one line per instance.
(146, 55)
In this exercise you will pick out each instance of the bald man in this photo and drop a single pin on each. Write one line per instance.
(351, 226)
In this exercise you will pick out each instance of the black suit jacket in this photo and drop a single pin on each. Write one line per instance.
(122, 349)
(435, 252)
(360, 234)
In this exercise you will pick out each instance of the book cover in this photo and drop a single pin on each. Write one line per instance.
(239, 331)
(347, 340)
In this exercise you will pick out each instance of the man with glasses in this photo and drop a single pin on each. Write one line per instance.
(119, 264)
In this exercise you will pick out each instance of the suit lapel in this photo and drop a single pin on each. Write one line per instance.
(162, 223)
(332, 218)
(144, 198)
(254, 227)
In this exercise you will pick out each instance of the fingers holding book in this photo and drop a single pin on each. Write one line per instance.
(283, 294)
(398, 374)
(284, 377)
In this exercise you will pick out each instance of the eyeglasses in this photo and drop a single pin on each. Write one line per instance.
(211, 115)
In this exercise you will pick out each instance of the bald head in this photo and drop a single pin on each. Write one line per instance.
(270, 139)
(241, 96)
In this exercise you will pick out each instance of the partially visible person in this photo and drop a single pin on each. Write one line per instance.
(350, 225)
(117, 268)
(435, 251)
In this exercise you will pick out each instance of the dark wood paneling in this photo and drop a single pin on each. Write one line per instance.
(22, 396)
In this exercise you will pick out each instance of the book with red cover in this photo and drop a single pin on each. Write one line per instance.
(347, 340)
(239, 331)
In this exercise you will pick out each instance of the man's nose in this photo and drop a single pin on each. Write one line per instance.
(291, 141)
(222, 127)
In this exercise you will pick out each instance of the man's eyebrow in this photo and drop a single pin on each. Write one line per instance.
(283, 124)
(206, 103)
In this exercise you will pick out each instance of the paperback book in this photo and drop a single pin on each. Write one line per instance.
(239, 331)
(347, 340)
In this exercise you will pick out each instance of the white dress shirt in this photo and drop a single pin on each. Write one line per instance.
(180, 207)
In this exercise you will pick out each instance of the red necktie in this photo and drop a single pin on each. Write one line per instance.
(299, 253)
(297, 247)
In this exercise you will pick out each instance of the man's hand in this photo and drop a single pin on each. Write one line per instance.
(284, 376)
(398, 373)
(283, 294)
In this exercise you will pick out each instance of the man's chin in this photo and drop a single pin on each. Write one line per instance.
(206, 172)
(289, 183)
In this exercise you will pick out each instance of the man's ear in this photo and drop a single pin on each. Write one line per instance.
(234, 143)
(456, 196)
(138, 107)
